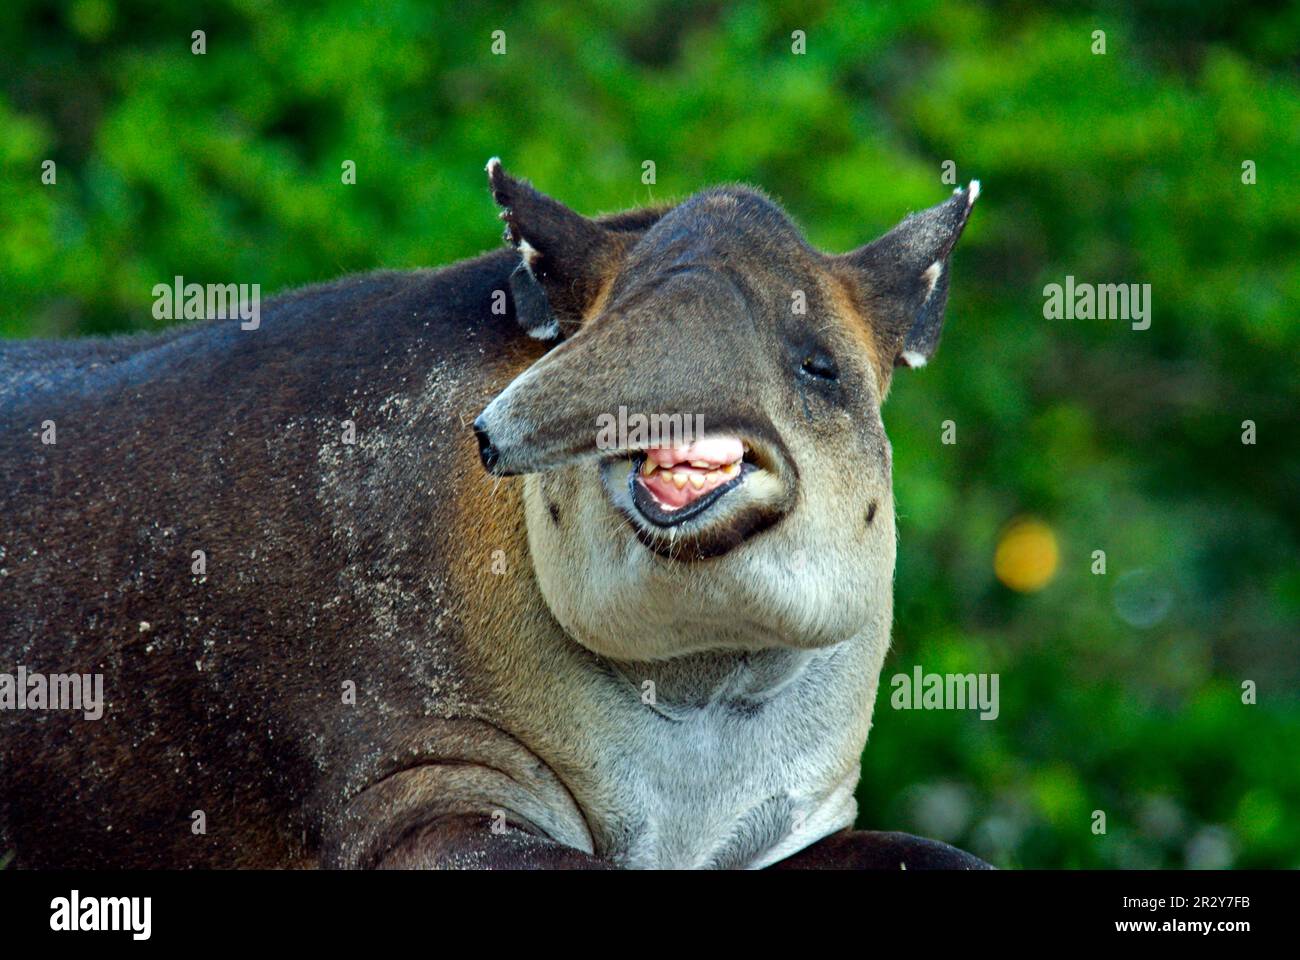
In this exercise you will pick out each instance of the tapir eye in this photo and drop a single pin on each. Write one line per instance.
(820, 364)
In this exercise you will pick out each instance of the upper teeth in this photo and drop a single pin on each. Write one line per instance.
(680, 477)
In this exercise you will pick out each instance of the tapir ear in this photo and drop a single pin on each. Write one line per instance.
(566, 259)
(904, 275)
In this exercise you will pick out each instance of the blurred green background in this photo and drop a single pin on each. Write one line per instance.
(1119, 692)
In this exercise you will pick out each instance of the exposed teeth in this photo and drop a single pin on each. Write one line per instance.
(666, 466)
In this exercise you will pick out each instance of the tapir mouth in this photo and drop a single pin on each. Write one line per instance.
(671, 485)
(698, 501)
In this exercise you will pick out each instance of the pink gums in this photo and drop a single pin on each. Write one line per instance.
(682, 475)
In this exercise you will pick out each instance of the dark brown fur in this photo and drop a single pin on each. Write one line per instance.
(208, 438)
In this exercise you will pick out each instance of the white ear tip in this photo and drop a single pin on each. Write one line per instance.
(912, 359)
(528, 252)
(931, 276)
(548, 332)
(492, 164)
(973, 193)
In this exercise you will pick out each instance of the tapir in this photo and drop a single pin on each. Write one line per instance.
(365, 588)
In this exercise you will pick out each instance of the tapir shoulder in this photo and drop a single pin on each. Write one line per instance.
(313, 335)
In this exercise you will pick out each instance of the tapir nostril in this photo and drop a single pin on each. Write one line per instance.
(486, 451)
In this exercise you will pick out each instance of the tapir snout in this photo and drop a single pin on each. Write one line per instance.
(675, 353)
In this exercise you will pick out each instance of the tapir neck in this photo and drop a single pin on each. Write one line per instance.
(737, 679)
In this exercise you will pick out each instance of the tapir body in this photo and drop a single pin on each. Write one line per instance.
(328, 637)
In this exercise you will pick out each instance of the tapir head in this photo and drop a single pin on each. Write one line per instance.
(706, 466)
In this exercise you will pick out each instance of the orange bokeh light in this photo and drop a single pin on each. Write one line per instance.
(1027, 555)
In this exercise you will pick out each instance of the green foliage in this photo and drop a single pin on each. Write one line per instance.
(1120, 692)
